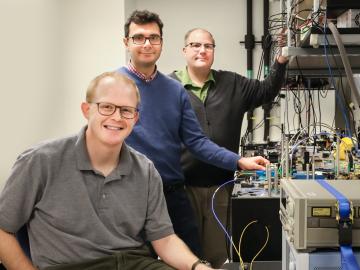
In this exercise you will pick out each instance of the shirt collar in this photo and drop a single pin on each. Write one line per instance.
(82, 156)
(185, 79)
(83, 160)
(142, 76)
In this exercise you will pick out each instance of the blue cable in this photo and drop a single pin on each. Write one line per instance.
(213, 210)
(348, 260)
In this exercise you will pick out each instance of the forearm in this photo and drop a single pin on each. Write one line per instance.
(11, 254)
(174, 252)
(272, 84)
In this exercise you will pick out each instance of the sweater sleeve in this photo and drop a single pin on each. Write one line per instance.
(201, 146)
(255, 92)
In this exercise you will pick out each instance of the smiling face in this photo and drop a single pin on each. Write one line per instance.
(143, 56)
(199, 58)
(110, 130)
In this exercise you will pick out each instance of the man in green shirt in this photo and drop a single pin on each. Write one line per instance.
(220, 99)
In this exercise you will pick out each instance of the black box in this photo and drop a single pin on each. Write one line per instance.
(265, 210)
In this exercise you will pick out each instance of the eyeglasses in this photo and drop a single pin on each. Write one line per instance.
(141, 39)
(197, 45)
(108, 109)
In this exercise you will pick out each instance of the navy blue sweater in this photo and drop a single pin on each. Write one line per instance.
(166, 121)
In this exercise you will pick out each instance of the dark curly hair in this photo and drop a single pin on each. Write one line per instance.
(143, 17)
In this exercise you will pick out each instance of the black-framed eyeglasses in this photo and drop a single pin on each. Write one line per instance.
(141, 39)
(197, 45)
(107, 109)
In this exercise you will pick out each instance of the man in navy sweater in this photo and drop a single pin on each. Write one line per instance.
(220, 99)
(167, 121)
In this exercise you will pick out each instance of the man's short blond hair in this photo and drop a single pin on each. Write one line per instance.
(116, 76)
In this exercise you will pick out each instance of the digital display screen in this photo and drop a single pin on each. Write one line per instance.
(321, 211)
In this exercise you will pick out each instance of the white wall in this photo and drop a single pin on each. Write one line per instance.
(92, 32)
(49, 51)
(28, 68)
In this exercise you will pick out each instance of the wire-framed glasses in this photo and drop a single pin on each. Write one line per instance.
(197, 45)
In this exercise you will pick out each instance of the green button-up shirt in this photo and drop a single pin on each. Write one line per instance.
(200, 92)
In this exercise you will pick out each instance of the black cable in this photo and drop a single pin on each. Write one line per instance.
(260, 66)
(342, 96)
